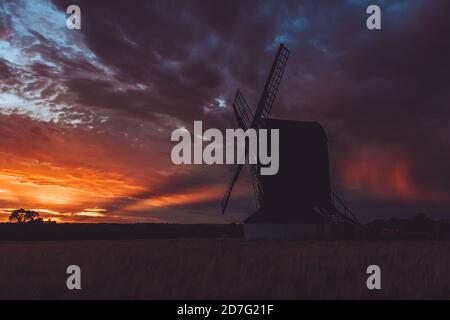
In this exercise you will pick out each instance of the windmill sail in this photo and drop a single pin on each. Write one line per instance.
(226, 196)
(247, 119)
(271, 87)
(242, 111)
(244, 116)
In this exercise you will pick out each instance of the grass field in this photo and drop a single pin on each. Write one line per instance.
(232, 269)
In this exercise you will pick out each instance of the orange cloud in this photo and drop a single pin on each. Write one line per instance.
(385, 173)
(64, 170)
(191, 196)
(69, 173)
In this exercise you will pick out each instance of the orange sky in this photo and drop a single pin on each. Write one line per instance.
(385, 173)
(99, 176)
(87, 178)
(90, 176)
(71, 177)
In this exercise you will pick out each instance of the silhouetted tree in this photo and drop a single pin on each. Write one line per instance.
(24, 216)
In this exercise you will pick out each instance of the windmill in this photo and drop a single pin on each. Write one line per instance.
(298, 201)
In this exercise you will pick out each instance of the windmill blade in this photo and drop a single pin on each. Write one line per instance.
(271, 87)
(242, 111)
(247, 119)
(230, 186)
(244, 117)
(257, 188)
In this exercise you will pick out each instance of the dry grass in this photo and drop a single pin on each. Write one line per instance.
(214, 269)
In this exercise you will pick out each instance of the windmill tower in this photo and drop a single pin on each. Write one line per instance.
(298, 201)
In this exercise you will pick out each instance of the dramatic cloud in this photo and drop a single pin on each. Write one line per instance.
(86, 116)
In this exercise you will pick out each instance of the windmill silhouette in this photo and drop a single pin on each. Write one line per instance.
(298, 201)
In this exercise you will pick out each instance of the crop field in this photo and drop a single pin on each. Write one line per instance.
(224, 269)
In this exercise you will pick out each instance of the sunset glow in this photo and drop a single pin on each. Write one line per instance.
(86, 115)
(386, 174)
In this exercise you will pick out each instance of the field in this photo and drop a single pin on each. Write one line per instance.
(224, 269)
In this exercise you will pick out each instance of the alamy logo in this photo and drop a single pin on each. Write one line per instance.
(256, 142)
(373, 22)
(73, 21)
(74, 279)
(374, 280)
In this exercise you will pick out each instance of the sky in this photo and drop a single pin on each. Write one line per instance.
(86, 115)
